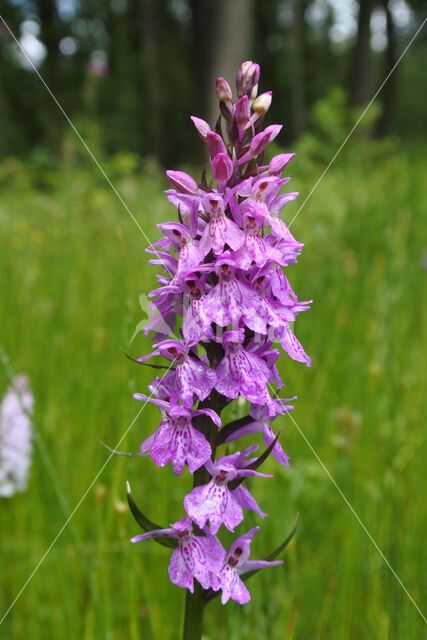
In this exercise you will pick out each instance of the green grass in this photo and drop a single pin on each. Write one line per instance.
(72, 264)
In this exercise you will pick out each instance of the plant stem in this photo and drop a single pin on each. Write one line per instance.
(193, 615)
(195, 602)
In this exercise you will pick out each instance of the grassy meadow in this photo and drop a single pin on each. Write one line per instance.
(72, 265)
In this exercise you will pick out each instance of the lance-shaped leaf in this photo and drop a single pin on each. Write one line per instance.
(255, 464)
(145, 523)
(273, 555)
(122, 453)
(147, 364)
(233, 426)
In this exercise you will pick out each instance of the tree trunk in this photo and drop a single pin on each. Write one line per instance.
(50, 35)
(222, 34)
(151, 94)
(297, 67)
(361, 67)
(389, 92)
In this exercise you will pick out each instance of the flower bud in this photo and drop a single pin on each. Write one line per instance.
(258, 144)
(279, 162)
(273, 130)
(202, 126)
(242, 111)
(247, 79)
(215, 144)
(182, 182)
(222, 167)
(223, 90)
(262, 104)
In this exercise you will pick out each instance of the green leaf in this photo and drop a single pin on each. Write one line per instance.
(235, 483)
(139, 327)
(231, 427)
(146, 364)
(273, 555)
(145, 523)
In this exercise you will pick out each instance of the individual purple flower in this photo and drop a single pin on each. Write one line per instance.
(191, 375)
(175, 439)
(196, 326)
(241, 371)
(231, 298)
(215, 501)
(179, 237)
(199, 557)
(236, 563)
(253, 248)
(220, 230)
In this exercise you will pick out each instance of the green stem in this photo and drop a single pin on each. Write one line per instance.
(195, 602)
(193, 615)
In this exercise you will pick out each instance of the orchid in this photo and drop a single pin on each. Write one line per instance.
(221, 312)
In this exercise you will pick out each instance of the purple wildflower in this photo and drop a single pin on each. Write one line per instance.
(176, 439)
(218, 315)
(197, 557)
(215, 501)
(236, 562)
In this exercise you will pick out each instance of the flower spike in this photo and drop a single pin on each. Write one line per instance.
(221, 315)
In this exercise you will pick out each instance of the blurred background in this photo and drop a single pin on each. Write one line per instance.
(73, 280)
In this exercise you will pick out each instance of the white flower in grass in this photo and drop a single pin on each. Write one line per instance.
(15, 437)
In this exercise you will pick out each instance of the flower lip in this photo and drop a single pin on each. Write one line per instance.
(213, 204)
(221, 477)
(234, 559)
(234, 336)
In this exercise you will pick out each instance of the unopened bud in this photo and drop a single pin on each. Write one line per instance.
(279, 162)
(222, 167)
(215, 144)
(242, 112)
(223, 90)
(247, 79)
(182, 182)
(273, 130)
(202, 126)
(258, 144)
(262, 104)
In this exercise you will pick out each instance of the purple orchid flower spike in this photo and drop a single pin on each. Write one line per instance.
(236, 563)
(199, 557)
(221, 308)
(176, 439)
(216, 502)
